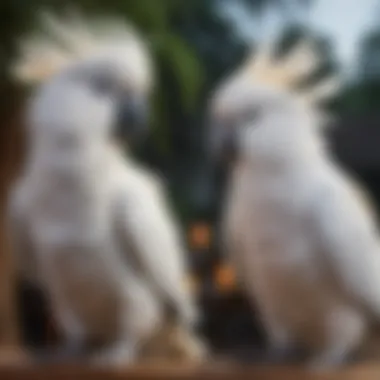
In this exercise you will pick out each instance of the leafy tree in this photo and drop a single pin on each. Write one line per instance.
(362, 94)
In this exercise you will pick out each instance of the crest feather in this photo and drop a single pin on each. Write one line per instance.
(327, 89)
(286, 72)
(62, 42)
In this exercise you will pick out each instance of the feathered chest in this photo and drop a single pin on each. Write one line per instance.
(269, 214)
(70, 208)
(265, 194)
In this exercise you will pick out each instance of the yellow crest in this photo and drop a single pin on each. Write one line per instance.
(285, 73)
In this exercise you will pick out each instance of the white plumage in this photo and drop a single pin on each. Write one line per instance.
(90, 225)
(75, 41)
(297, 228)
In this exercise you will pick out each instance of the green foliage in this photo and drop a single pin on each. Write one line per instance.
(362, 95)
(184, 64)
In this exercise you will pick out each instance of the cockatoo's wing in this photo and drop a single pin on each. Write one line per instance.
(232, 240)
(348, 240)
(146, 230)
(22, 247)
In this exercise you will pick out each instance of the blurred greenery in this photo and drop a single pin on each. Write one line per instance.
(362, 93)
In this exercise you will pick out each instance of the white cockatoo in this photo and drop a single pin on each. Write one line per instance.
(90, 225)
(298, 230)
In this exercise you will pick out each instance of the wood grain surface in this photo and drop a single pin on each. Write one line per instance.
(216, 371)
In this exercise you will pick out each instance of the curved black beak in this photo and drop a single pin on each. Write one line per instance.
(132, 122)
(223, 143)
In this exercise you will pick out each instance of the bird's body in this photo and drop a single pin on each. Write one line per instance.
(303, 241)
(272, 216)
(90, 225)
(70, 217)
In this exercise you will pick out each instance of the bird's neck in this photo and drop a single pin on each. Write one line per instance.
(307, 156)
(104, 159)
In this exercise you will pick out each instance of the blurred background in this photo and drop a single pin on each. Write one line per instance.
(196, 43)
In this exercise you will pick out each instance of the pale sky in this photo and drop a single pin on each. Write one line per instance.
(344, 21)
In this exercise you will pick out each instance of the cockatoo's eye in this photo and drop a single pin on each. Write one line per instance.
(250, 116)
(132, 118)
(104, 83)
(105, 86)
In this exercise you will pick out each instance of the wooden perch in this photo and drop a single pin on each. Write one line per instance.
(211, 372)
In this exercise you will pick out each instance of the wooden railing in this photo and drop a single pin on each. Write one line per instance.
(216, 372)
(17, 365)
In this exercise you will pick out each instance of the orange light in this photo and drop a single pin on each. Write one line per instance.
(192, 284)
(200, 236)
(225, 278)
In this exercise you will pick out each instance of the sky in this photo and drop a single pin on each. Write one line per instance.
(344, 21)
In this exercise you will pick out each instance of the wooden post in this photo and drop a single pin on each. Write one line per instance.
(10, 149)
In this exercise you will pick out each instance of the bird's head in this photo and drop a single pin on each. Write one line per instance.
(259, 112)
(104, 59)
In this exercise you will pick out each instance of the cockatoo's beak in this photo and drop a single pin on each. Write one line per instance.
(224, 144)
(133, 117)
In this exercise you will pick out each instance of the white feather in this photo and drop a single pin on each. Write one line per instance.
(299, 230)
(104, 245)
(64, 43)
(282, 75)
